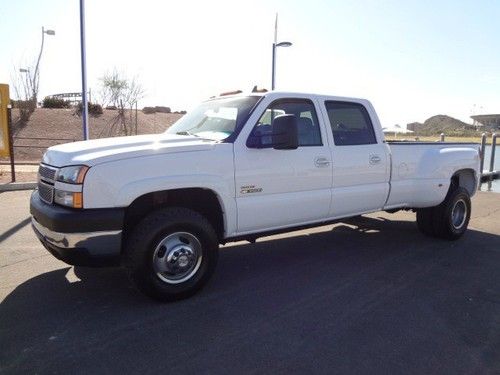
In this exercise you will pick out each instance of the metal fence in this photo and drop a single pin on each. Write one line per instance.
(45, 142)
(40, 143)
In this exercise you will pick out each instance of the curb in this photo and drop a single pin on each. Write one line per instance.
(14, 186)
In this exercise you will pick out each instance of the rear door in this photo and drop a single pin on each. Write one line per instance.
(361, 166)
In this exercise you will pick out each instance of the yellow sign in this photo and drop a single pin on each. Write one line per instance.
(4, 130)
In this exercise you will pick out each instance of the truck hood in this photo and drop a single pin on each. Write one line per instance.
(110, 149)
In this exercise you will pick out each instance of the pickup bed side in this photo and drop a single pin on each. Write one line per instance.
(421, 173)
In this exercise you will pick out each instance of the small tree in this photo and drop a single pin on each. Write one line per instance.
(133, 93)
(113, 87)
(119, 91)
(23, 84)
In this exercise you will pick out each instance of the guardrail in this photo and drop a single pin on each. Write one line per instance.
(491, 173)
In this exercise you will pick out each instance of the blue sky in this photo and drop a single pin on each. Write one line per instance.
(412, 59)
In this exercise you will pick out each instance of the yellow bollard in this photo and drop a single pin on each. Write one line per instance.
(4, 121)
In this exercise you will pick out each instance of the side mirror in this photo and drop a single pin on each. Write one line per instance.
(285, 132)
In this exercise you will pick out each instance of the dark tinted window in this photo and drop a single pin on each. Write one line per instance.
(351, 124)
(307, 121)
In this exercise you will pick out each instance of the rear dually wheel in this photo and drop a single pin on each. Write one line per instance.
(450, 219)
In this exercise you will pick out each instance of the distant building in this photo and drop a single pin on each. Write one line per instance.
(73, 97)
(487, 121)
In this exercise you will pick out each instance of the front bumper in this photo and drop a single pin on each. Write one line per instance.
(78, 237)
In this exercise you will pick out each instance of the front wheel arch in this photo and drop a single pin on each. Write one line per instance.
(204, 201)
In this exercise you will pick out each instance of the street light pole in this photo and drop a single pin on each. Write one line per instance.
(273, 67)
(36, 79)
(275, 45)
(85, 109)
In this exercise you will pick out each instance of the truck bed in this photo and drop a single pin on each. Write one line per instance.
(418, 167)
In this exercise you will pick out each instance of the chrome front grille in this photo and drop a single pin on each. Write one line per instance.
(46, 192)
(46, 180)
(47, 173)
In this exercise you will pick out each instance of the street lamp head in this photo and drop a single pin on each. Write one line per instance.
(22, 70)
(284, 44)
(50, 32)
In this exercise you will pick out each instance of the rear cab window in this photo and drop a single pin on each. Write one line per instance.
(350, 123)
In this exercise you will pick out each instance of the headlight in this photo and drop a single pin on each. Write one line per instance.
(72, 175)
(70, 196)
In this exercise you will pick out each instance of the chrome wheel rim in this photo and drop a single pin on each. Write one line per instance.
(458, 214)
(177, 257)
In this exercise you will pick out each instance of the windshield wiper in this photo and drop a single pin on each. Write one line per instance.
(185, 132)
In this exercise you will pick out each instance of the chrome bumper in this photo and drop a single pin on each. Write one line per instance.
(90, 245)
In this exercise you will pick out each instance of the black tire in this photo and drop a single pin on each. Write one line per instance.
(156, 270)
(447, 224)
(425, 221)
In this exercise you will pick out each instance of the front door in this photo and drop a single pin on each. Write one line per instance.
(280, 188)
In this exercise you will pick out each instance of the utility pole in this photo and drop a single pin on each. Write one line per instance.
(85, 109)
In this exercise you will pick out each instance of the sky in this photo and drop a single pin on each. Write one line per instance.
(412, 59)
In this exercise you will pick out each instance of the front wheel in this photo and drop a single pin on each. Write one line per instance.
(450, 219)
(171, 253)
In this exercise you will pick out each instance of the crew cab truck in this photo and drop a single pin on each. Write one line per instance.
(239, 167)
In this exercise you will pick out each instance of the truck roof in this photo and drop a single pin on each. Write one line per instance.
(287, 94)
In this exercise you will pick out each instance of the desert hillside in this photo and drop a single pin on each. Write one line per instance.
(63, 125)
(442, 124)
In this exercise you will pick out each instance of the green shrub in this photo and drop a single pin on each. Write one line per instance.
(157, 109)
(149, 110)
(161, 109)
(26, 108)
(50, 102)
(93, 108)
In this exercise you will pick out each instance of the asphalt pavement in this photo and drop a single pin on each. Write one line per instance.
(370, 296)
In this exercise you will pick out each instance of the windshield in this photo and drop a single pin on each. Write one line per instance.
(215, 119)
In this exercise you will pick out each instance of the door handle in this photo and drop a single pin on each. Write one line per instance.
(375, 159)
(321, 162)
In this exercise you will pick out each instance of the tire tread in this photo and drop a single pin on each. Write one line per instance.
(435, 221)
(135, 254)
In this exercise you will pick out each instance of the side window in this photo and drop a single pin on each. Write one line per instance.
(307, 121)
(351, 124)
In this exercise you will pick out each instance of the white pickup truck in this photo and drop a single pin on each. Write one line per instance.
(239, 167)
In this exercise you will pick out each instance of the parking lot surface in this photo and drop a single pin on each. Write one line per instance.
(368, 296)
